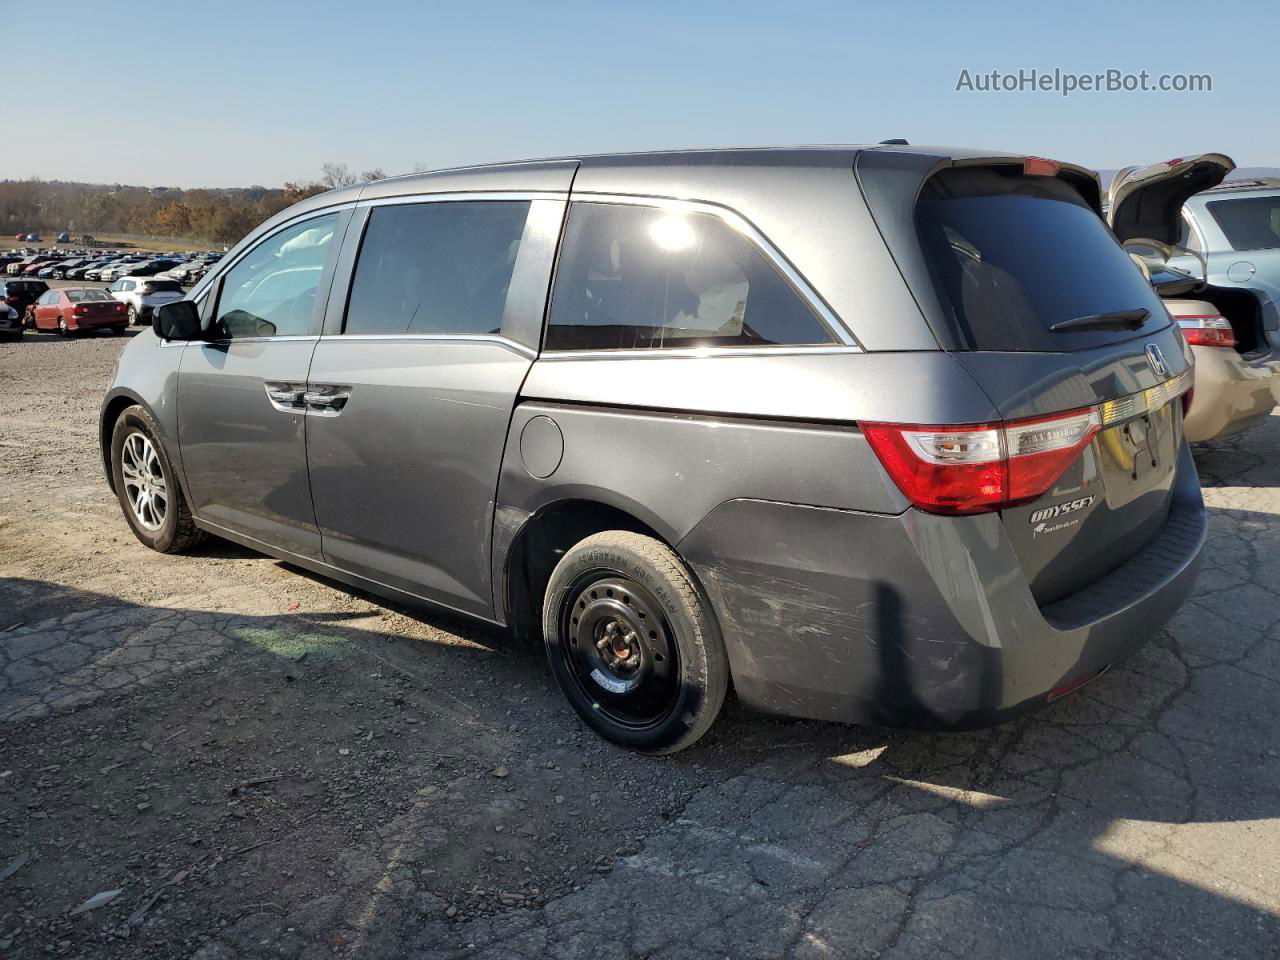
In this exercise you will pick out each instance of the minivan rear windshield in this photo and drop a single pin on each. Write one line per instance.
(1012, 256)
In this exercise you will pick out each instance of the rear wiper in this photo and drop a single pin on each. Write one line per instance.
(1116, 320)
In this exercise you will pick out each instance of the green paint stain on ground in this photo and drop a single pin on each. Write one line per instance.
(295, 645)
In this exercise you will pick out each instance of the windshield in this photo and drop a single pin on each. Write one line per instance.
(1015, 256)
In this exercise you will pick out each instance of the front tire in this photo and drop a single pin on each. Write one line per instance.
(633, 643)
(148, 492)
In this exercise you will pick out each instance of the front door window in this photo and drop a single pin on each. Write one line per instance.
(272, 291)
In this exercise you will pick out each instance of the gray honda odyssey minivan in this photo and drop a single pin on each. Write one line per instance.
(880, 434)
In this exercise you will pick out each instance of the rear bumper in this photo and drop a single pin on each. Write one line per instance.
(92, 323)
(918, 620)
(1231, 394)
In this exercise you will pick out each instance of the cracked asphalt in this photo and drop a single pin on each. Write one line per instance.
(267, 765)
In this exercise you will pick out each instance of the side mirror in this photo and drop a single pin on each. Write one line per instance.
(179, 320)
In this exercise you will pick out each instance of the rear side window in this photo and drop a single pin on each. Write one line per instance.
(1250, 223)
(637, 277)
(436, 268)
(1011, 256)
(162, 286)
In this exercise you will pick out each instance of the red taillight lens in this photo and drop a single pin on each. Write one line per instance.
(974, 468)
(1210, 330)
(79, 311)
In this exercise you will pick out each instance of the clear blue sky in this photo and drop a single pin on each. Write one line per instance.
(235, 93)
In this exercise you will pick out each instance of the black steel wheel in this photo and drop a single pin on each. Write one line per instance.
(633, 644)
(620, 651)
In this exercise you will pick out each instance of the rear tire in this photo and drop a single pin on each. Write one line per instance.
(146, 487)
(63, 329)
(133, 316)
(633, 643)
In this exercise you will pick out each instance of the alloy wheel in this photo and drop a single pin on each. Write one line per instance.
(145, 485)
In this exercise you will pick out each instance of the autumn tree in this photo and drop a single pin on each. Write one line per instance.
(173, 220)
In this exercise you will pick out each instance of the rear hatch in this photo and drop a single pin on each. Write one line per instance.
(1145, 213)
(1023, 283)
(156, 292)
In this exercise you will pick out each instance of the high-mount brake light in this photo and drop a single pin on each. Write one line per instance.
(975, 468)
(1207, 330)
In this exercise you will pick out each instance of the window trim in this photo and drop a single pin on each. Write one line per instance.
(845, 341)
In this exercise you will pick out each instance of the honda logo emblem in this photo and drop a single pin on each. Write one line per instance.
(1156, 359)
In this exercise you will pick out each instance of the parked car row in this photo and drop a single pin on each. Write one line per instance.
(107, 267)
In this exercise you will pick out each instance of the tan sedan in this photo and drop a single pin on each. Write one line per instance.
(1232, 393)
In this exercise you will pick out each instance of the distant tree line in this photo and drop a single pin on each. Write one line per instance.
(221, 215)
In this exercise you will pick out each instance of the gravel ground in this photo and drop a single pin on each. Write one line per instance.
(264, 764)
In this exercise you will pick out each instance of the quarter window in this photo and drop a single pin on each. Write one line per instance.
(272, 290)
(1250, 223)
(436, 268)
(638, 277)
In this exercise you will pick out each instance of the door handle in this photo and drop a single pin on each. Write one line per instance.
(327, 399)
(285, 396)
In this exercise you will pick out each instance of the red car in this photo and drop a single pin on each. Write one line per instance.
(31, 269)
(75, 309)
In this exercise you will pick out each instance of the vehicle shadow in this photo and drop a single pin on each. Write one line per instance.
(1132, 817)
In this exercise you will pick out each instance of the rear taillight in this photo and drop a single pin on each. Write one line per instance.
(1209, 330)
(974, 468)
(11, 299)
(79, 311)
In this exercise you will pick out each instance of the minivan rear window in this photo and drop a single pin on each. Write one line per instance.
(1013, 255)
(1250, 223)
